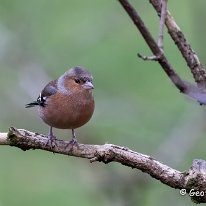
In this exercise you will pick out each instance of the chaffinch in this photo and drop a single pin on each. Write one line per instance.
(67, 102)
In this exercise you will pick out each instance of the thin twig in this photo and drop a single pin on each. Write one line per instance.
(162, 23)
(150, 58)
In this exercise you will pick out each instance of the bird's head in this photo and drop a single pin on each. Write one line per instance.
(77, 78)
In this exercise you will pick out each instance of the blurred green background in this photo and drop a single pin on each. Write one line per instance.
(136, 104)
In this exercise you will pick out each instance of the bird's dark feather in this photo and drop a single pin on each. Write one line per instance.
(32, 104)
(49, 90)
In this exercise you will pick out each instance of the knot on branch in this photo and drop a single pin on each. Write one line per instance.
(13, 136)
(196, 181)
(24, 139)
(106, 154)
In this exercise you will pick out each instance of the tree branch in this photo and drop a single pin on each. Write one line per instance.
(195, 178)
(187, 52)
(197, 93)
(178, 82)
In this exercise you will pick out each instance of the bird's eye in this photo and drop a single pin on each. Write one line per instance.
(77, 81)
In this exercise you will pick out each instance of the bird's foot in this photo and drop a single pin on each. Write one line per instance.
(73, 142)
(51, 142)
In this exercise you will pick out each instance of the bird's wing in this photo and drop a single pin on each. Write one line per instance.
(49, 90)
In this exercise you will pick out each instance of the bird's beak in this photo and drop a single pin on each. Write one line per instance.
(88, 85)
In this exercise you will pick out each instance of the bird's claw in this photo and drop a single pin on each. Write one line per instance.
(73, 142)
(51, 142)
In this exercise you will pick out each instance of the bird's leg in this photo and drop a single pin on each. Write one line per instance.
(74, 139)
(51, 139)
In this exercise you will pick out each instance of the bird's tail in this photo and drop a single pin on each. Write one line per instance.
(32, 104)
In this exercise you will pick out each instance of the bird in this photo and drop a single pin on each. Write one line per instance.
(67, 102)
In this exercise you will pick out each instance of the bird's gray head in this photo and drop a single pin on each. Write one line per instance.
(79, 72)
(76, 77)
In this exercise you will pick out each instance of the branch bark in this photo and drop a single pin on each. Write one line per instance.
(194, 178)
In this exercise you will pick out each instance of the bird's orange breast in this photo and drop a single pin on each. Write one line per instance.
(68, 111)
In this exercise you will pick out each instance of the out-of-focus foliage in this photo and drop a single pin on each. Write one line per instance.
(136, 104)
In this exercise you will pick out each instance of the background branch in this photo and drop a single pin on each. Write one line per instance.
(185, 48)
(178, 82)
(197, 93)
